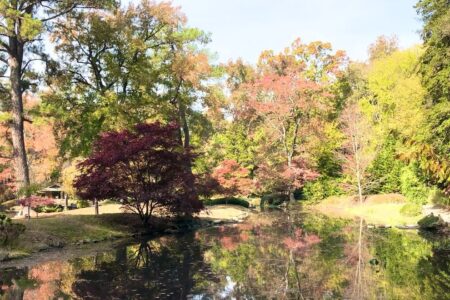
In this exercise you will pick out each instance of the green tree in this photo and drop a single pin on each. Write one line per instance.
(23, 24)
(130, 65)
(435, 64)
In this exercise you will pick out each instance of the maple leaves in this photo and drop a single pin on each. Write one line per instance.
(145, 169)
(233, 179)
(36, 201)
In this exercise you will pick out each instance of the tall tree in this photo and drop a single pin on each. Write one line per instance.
(121, 68)
(357, 152)
(287, 98)
(22, 25)
(435, 67)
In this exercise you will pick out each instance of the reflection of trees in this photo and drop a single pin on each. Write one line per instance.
(274, 256)
(410, 266)
(167, 268)
(13, 283)
(283, 260)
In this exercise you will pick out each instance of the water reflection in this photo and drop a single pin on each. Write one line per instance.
(275, 255)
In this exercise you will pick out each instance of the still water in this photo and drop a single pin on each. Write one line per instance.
(273, 255)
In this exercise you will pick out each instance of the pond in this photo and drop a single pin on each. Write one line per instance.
(273, 255)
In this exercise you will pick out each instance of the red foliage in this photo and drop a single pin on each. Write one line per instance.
(36, 201)
(281, 177)
(233, 179)
(300, 241)
(145, 168)
(206, 185)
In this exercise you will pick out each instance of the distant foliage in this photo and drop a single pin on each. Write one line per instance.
(385, 171)
(412, 187)
(144, 168)
(8, 230)
(436, 196)
(322, 188)
(83, 204)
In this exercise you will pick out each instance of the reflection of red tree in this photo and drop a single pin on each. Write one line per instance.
(47, 275)
(299, 241)
(228, 243)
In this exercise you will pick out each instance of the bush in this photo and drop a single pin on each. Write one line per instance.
(83, 204)
(273, 199)
(436, 196)
(411, 209)
(227, 200)
(49, 208)
(9, 230)
(322, 188)
(431, 222)
(412, 187)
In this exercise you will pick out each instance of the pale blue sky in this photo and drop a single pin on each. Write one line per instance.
(243, 28)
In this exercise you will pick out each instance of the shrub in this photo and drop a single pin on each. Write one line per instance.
(49, 208)
(412, 187)
(436, 196)
(322, 188)
(9, 230)
(431, 222)
(83, 204)
(273, 199)
(226, 200)
(411, 209)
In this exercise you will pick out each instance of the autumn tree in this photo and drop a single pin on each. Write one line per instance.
(233, 178)
(357, 154)
(144, 168)
(22, 26)
(120, 68)
(35, 202)
(382, 47)
(287, 98)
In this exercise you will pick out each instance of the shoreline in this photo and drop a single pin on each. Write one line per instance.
(50, 234)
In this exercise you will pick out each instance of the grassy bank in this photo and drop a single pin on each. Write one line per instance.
(376, 209)
(64, 230)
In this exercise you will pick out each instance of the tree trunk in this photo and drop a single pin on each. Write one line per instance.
(66, 202)
(184, 125)
(17, 124)
(96, 207)
(290, 191)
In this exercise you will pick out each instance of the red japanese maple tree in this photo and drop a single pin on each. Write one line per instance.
(145, 168)
(34, 202)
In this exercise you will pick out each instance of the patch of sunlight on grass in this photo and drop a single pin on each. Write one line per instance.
(377, 210)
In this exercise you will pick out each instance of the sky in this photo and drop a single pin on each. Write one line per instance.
(243, 28)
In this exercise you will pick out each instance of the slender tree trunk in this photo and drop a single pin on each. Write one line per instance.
(17, 124)
(96, 207)
(291, 190)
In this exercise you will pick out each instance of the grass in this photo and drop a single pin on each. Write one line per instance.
(80, 226)
(376, 209)
(63, 230)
